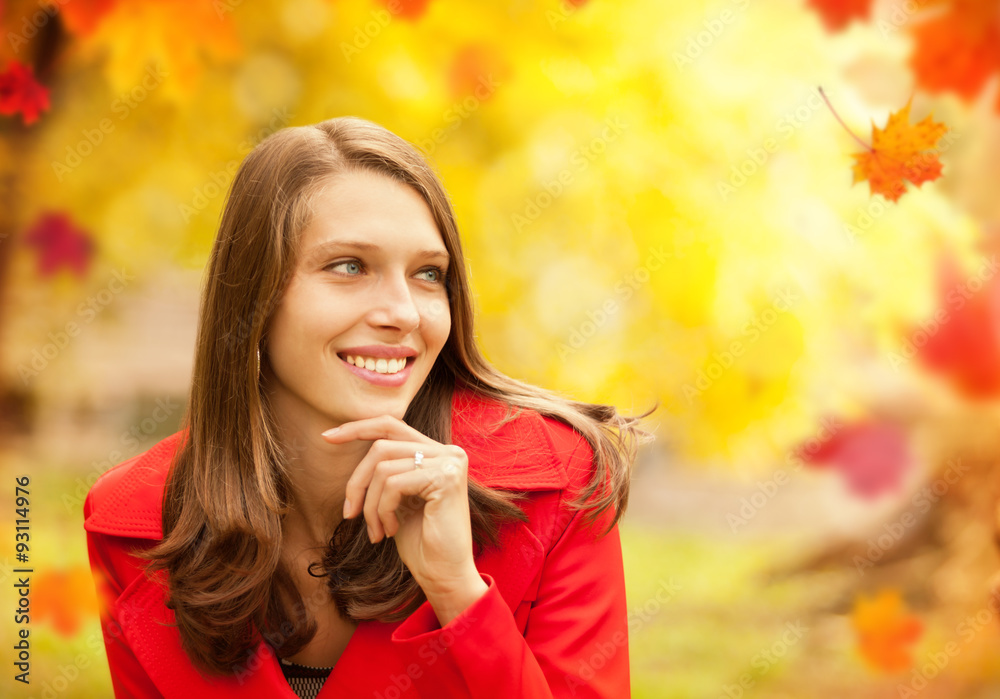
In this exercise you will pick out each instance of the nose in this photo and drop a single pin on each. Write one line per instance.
(394, 305)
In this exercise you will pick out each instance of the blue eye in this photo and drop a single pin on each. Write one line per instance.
(438, 272)
(439, 278)
(355, 263)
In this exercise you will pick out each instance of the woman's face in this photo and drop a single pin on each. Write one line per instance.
(368, 286)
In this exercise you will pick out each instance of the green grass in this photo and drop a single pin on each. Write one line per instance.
(724, 623)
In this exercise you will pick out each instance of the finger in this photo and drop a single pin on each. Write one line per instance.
(373, 516)
(407, 492)
(372, 428)
(361, 479)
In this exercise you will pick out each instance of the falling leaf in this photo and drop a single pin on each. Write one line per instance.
(20, 92)
(81, 17)
(837, 14)
(59, 243)
(871, 456)
(409, 9)
(963, 337)
(151, 45)
(477, 71)
(958, 49)
(899, 152)
(885, 631)
(64, 598)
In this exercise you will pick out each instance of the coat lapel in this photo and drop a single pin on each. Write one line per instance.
(517, 456)
(366, 669)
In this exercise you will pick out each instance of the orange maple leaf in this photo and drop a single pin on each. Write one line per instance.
(901, 151)
(885, 631)
(409, 9)
(83, 16)
(837, 14)
(64, 598)
(476, 70)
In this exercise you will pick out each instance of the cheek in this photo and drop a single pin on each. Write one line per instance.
(312, 315)
(297, 342)
(437, 321)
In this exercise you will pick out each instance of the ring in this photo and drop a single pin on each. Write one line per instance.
(418, 459)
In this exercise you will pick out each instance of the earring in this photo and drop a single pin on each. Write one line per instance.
(258, 362)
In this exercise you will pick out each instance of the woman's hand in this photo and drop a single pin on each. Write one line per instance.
(425, 510)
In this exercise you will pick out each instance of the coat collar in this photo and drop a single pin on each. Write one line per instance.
(518, 455)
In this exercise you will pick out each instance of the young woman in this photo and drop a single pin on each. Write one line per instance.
(357, 504)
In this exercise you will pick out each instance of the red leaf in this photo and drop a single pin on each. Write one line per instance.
(60, 244)
(837, 14)
(871, 456)
(20, 92)
(959, 49)
(963, 344)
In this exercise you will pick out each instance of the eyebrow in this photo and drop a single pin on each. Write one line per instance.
(331, 245)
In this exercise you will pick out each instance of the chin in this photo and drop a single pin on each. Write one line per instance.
(373, 408)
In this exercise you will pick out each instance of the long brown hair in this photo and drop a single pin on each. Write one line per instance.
(228, 487)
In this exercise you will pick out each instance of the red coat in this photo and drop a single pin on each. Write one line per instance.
(552, 624)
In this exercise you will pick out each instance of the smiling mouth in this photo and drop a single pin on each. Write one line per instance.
(377, 366)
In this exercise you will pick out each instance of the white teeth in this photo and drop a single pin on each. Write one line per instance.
(382, 366)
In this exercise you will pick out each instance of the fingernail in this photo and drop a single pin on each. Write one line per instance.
(371, 536)
(331, 432)
(347, 508)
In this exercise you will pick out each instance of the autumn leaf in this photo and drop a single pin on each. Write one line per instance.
(137, 39)
(64, 598)
(476, 71)
(962, 340)
(958, 49)
(409, 9)
(81, 17)
(837, 14)
(872, 456)
(20, 92)
(60, 243)
(900, 152)
(885, 631)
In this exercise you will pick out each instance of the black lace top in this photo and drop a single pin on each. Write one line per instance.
(304, 680)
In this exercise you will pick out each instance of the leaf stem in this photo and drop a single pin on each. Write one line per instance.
(837, 117)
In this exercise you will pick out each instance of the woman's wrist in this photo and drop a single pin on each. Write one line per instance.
(452, 598)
